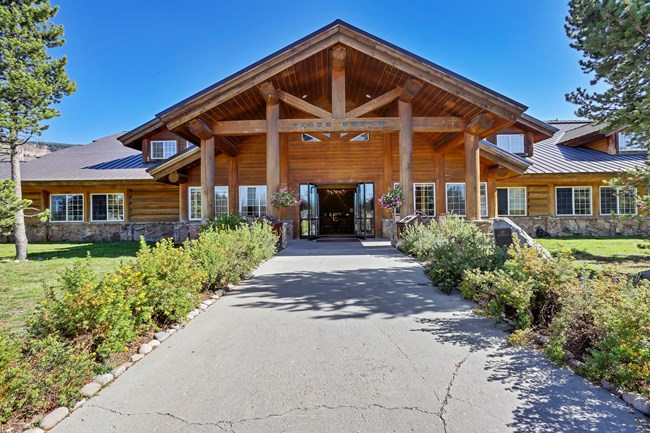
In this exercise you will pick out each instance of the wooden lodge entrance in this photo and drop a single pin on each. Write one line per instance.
(337, 210)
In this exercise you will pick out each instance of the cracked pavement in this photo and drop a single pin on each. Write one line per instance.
(346, 337)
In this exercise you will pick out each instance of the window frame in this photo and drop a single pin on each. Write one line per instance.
(483, 199)
(107, 194)
(431, 184)
(266, 205)
(151, 149)
(618, 202)
(509, 149)
(198, 188)
(573, 201)
(508, 188)
(66, 220)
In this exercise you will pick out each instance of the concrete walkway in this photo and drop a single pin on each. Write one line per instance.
(342, 337)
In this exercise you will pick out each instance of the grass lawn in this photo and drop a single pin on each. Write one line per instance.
(21, 282)
(622, 253)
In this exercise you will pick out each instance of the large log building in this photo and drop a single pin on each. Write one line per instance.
(340, 116)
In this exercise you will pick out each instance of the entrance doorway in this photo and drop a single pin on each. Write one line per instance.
(337, 210)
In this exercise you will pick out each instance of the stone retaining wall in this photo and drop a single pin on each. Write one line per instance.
(93, 232)
(585, 226)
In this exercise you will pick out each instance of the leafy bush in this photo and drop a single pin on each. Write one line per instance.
(226, 256)
(605, 321)
(91, 311)
(38, 374)
(526, 288)
(225, 221)
(450, 248)
(171, 283)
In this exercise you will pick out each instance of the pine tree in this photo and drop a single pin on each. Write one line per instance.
(614, 38)
(31, 83)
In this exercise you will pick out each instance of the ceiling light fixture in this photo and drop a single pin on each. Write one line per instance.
(304, 96)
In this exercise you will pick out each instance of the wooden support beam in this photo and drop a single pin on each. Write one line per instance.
(207, 178)
(146, 153)
(439, 124)
(611, 144)
(272, 153)
(127, 205)
(268, 92)
(199, 128)
(406, 156)
(388, 168)
(480, 124)
(339, 55)
(492, 197)
(376, 103)
(233, 185)
(177, 178)
(302, 105)
(239, 127)
(226, 146)
(183, 202)
(441, 184)
(411, 88)
(472, 177)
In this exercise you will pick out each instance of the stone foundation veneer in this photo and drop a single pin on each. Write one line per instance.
(93, 232)
(585, 226)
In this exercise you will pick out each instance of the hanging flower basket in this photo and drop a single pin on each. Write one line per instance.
(284, 198)
(392, 199)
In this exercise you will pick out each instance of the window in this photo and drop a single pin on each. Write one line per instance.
(511, 201)
(456, 198)
(66, 207)
(107, 207)
(425, 198)
(513, 143)
(220, 201)
(252, 200)
(163, 149)
(617, 202)
(308, 138)
(573, 200)
(624, 144)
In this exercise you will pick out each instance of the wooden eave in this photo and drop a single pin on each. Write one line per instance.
(274, 66)
(178, 163)
(540, 129)
(133, 138)
(502, 158)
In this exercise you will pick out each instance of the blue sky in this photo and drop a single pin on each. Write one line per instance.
(132, 59)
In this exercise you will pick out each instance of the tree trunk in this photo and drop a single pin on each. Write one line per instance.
(19, 224)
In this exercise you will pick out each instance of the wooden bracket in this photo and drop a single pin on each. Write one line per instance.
(267, 90)
(411, 88)
(201, 129)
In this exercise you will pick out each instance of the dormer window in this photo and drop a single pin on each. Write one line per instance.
(513, 143)
(624, 143)
(163, 149)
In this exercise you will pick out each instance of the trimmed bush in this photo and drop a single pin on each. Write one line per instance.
(37, 374)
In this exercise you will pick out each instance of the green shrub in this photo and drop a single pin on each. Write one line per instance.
(171, 282)
(94, 312)
(39, 374)
(450, 248)
(227, 256)
(606, 322)
(224, 221)
(526, 288)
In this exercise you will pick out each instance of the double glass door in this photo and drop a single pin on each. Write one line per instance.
(309, 211)
(364, 210)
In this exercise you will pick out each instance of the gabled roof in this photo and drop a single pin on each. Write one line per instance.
(553, 156)
(103, 159)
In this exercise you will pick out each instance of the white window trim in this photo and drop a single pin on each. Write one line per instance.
(162, 141)
(525, 201)
(618, 203)
(447, 184)
(435, 207)
(83, 208)
(241, 196)
(480, 210)
(573, 201)
(107, 193)
(189, 200)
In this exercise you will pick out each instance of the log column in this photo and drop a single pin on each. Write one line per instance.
(493, 202)
(204, 132)
(405, 109)
(272, 144)
(472, 177)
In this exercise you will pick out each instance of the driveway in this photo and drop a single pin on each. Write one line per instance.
(345, 337)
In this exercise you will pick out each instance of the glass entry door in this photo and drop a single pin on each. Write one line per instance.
(364, 210)
(309, 211)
